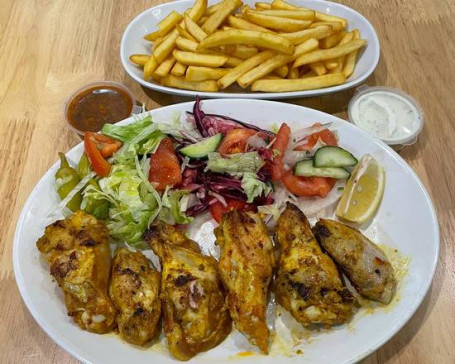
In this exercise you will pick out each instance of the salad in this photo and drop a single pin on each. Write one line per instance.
(131, 175)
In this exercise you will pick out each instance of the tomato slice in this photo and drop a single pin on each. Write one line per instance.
(325, 135)
(307, 186)
(93, 152)
(281, 143)
(235, 141)
(218, 209)
(164, 166)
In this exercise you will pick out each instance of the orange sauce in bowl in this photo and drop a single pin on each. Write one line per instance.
(92, 108)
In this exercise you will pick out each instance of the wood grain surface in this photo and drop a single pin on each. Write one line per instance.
(50, 48)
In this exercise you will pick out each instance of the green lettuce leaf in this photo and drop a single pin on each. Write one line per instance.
(253, 187)
(174, 206)
(235, 164)
(134, 201)
(126, 132)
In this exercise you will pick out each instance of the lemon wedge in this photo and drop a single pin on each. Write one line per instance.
(363, 193)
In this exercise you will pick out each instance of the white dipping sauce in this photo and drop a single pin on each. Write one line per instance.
(386, 115)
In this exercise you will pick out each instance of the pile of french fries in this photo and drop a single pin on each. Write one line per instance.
(275, 47)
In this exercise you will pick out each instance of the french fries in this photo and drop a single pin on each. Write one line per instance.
(300, 84)
(244, 52)
(275, 22)
(340, 60)
(226, 8)
(241, 23)
(275, 62)
(244, 67)
(196, 59)
(184, 33)
(139, 59)
(319, 32)
(262, 6)
(198, 10)
(268, 47)
(186, 44)
(248, 37)
(293, 74)
(332, 40)
(336, 25)
(318, 68)
(178, 69)
(325, 54)
(165, 67)
(348, 68)
(194, 29)
(182, 83)
(165, 26)
(194, 73)
(290, 14)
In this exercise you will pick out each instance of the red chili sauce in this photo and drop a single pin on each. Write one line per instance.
(93, 108)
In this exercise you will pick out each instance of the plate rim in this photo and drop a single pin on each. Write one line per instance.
(376, 46)
(72, 350)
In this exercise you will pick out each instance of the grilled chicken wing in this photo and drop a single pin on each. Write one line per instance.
(246, 267)
(195, 314)
(77, 251)
(308, 283)
(362, 261)
(134, 290)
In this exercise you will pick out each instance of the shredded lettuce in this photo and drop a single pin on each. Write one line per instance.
(235, 164)
(175, 203)
(126, 132)
(253, 187)
(134, 201)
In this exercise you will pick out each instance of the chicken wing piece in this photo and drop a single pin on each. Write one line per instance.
(362, 261)
(246, 268)
(308, 283)
(134, 290)
(195, 314)
(77, 250)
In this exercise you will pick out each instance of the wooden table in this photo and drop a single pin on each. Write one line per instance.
(50, 48)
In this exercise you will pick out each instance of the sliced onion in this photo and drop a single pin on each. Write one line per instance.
(218, 197)
(293, 156)
(255, 142)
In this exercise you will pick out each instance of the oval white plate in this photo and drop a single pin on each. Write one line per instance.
(133, 42)
(406, 220)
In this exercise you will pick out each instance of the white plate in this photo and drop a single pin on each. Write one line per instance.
(406, 220)
(133, 42)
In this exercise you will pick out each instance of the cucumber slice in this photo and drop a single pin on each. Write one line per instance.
(306, 169)
(331, 156)
(203, 148)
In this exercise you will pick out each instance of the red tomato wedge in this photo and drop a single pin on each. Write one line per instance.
(108, 145)
(235, 141)
(281, 143)
(218, 209)
(325, 135)
(97, 147)
(164, 166)
(307, 186)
